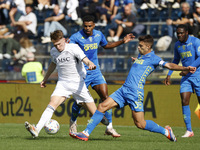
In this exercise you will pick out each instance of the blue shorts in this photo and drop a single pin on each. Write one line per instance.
(190, 84)
(132, 97)
(94, 78)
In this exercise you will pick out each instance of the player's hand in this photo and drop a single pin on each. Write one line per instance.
(128, 37)
(133, 59)
(92, 67)
(43, 84)
(192, 69)
(183, 73)
(167, 80)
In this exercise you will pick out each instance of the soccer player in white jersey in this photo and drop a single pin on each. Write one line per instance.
(68, 59)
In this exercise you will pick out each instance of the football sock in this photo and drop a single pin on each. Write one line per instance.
(75, 111)
(153, 127)
(109, 125)
(187, 117)
(46, 116)
(108, 115)
(94, 121)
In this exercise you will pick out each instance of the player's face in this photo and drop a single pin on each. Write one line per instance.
(182, 34)
(60, 44)
(88, 27)
(143, 48)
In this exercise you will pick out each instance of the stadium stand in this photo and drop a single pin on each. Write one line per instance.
(117, 60)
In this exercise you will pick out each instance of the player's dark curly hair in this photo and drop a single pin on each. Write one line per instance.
(185, 27)
(88, 18)
(147, 39)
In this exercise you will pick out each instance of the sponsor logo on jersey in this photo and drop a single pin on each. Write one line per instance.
(186, 54)
(90, 46)
(139, 61)
(63, 59)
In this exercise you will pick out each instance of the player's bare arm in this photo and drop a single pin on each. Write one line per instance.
(176, 67)
(173, 66)
(129, 37)
(90, 64)
(51, 68)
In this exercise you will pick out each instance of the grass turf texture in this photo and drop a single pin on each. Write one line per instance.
(16, 137)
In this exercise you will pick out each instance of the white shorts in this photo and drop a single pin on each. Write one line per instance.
(78, 90)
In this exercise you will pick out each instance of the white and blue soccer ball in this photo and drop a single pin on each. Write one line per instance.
(52, 127)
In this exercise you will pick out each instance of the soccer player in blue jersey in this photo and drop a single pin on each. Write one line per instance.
(132, 92)
(187, 49)
(89, 40)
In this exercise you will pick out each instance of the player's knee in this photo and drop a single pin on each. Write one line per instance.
(140, 125)
(102, 107)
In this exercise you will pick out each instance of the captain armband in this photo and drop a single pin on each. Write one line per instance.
(162, 63)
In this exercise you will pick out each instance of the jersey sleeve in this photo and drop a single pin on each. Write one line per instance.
(196, 63)
(103, 41)
(73, 39)
(78, 53)
(157, 61)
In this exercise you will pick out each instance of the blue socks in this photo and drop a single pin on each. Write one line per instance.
(153, 127)
(108, 115)
(94, 121)
(187, 117)
(75, 111)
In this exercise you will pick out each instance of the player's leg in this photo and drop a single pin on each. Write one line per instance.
(185, 98)
(46, 116)
(102, 91)
(76, 107)
(95, 119)
(186, 90)
(151, 126)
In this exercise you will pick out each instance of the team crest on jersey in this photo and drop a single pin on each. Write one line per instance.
(83, 37)
(90, 38)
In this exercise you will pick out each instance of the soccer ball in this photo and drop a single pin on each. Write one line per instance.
(52, 127)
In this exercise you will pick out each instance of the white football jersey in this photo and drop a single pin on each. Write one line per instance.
(69, 63)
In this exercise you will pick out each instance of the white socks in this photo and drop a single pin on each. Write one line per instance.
(166, 133)
(110, 126)
(46, 116)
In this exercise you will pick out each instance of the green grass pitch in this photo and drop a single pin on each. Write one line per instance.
(15, 137)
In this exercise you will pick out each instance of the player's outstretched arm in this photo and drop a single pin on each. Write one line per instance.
(176, 67)
(126, 39)
(51, 68)
(129, 37)
(90, 64)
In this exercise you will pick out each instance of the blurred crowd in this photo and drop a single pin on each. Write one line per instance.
(20, 19)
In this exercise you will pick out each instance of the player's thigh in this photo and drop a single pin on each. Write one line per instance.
(56, 101)
(102, 90)
(107, 104)
(186, 86)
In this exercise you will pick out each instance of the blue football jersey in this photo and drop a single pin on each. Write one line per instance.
(187, 52)
(90, 44)
(141, 69)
